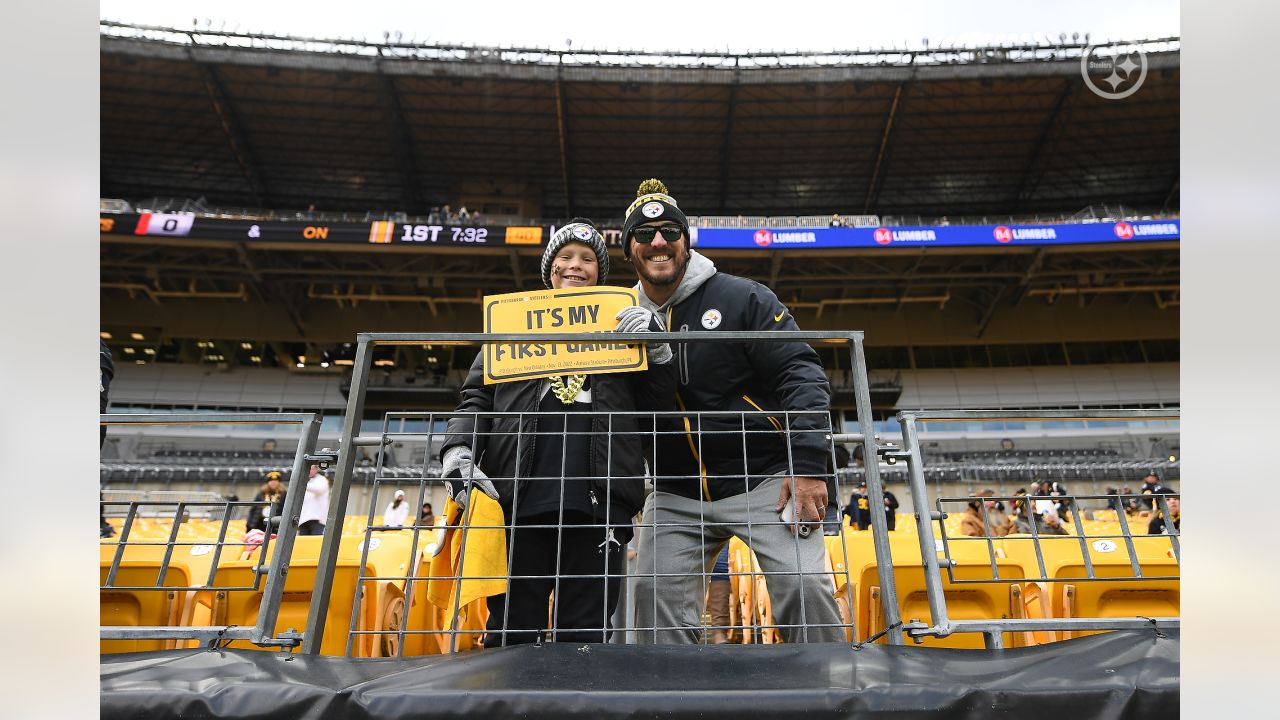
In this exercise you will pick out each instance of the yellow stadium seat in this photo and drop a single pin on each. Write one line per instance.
(1121, 597)
(965, 601)
(240, 607)
(140, 566)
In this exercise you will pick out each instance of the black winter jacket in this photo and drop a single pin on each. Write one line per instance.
(617, 472)
(747, 376)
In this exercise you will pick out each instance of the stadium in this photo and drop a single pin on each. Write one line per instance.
(298, 240)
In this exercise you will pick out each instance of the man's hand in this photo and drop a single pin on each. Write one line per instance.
(810, 499)
(638, 319)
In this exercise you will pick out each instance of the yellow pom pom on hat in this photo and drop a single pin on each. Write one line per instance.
(653, 202)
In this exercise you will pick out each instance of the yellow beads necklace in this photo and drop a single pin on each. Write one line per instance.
(567, 393)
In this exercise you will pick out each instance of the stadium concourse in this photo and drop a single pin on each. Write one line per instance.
(297, 239)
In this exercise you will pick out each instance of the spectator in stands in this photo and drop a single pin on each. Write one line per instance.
(271, 494)
(859, 508)
(106, 371)
(997, 521)
(836, 221)
(1044, 505)
(311, 211)
(1158, 526)
(553, 470)
(1114, 502)
(1046, 523)
(709, 489)
(890, 509)
(1063, 506)
(428, 516)
(447, 212)
(433, 217)
(315, 506)
(1130, 503)
(397, 511)
(477, 218)
(1151, 485)
(463, 215)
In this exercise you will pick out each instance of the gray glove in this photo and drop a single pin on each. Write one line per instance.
(458, 469)
(638, 319)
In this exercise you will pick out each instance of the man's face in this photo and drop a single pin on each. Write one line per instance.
(661, 262)
(1151, 480)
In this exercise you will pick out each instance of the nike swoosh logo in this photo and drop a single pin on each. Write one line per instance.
(778, 317)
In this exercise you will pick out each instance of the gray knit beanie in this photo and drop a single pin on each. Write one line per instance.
(578, 230)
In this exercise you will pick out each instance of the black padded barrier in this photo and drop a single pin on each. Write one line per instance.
(1124, 674)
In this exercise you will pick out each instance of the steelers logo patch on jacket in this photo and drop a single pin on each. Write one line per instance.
(711, 319)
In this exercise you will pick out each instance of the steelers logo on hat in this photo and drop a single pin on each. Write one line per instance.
(652, 210)
(582, 232)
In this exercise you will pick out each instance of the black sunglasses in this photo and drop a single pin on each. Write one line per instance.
(645, 233)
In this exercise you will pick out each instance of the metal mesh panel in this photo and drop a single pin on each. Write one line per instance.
(160, 576)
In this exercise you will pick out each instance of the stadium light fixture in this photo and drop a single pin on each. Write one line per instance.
(149, 351)
(324, 364)
(129, 351)
(139, 361)
(246, 346)
(136, 336)
(104, 335)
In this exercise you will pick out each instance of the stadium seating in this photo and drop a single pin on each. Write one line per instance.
(240, 607)
(140, 567)
(965, 601)
(1119, 597)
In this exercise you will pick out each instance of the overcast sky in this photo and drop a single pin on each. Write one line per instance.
(674, 24)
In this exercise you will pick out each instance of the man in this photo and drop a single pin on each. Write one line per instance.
(1151, 485)
(315, 506)
(975, 524)
(711, 482)
(1158, 526)
(859, 508)
(890, 509)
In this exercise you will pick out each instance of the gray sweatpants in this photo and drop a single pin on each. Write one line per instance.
(684, 546)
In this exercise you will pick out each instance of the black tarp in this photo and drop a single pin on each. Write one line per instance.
(1112, 675)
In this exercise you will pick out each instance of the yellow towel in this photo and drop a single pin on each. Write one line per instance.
(484, 569)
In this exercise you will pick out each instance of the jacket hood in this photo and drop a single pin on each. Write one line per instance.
(699, 270)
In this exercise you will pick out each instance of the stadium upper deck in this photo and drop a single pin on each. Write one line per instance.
(392, 128)
(279, 122)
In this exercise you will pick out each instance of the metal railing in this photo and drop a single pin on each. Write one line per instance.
(457, 632)
(135, 558)
(375, 575)
(993, 629)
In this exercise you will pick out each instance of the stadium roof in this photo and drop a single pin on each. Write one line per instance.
(282, 123)
(279, 122)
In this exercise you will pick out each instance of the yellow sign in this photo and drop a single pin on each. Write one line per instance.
(523, 235)
(572, 310)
